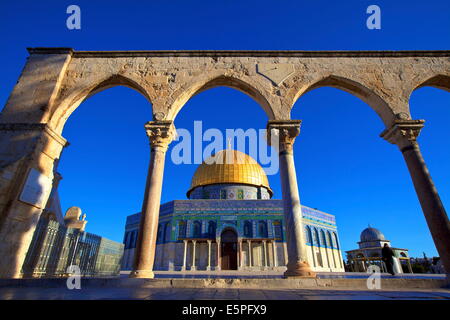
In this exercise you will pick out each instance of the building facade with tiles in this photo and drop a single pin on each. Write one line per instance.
(230, 222)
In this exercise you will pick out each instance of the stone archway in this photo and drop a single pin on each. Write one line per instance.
(55, 80)
(229, 250)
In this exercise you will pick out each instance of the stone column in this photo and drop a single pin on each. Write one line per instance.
(183, 268)
(160, 134)
(284, 133)
(209, 256)
(219, 257)
(285, 253)
(240, 255)
(29, 153)
(249, 244)
(193, 267)
(404, 134)
(265, 253)
(274, 250)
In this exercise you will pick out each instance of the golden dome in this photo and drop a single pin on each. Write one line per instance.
(230, 166)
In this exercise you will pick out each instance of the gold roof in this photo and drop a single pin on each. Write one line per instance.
(230, 166)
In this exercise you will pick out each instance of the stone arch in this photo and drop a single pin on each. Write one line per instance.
(355, 88)
(439, 81)
(71, 101)
(184, 94)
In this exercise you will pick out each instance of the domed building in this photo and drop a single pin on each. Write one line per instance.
(370, 245)
(231, 222)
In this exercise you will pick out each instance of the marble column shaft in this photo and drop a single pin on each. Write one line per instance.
(285, 133)
(160, 134)
(404, 134)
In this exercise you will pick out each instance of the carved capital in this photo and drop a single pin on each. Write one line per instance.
(160, 133)
(284, 133)
(403, 133)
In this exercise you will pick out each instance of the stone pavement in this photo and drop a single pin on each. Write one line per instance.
(21, 293)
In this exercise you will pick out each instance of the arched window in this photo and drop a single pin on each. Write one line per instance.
(135, 238)
(197, 230)
(182, 229)
(316, 237)
(278, 229)
(126, 240)
(262, 229)
(212, 229)
(308, 235)
(167, 232)
(330, 241)
(322, 238)
(248, 229)
(159, 234)
(336, 240)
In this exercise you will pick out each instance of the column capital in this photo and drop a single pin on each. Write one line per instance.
(285, 131)
(160, 133)
(403, 133)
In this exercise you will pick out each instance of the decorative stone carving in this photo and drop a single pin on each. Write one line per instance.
(72, 219)
(275, 72)
(160, 133)
(286, 131)
(159, 116)
(403, 133)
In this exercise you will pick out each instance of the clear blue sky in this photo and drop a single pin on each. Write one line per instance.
(343, 167)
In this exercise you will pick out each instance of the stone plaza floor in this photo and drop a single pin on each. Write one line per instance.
(22, 293)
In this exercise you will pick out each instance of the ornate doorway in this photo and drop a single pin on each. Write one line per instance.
(229, 250)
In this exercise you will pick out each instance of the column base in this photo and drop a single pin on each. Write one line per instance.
(146, 274)
(193, 268)
(208, 268)
(299, 270)
(183, 268)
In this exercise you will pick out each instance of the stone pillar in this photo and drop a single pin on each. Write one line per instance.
(404, 134)
(209, 256)
(183, 268)
(160, 134)
(265, 253)
(29, 153)
(275, 258)
(193, 267)
(285, 132)
(219, 256)
(285, 253)
(241, 257)
(249, 244)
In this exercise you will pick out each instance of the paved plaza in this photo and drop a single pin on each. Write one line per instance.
(215, 294)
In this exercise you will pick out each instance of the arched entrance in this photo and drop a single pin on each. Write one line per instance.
(228, 240)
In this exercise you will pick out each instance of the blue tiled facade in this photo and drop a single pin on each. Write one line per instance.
(253, 219)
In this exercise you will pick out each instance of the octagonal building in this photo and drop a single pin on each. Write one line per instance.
(231, 222)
